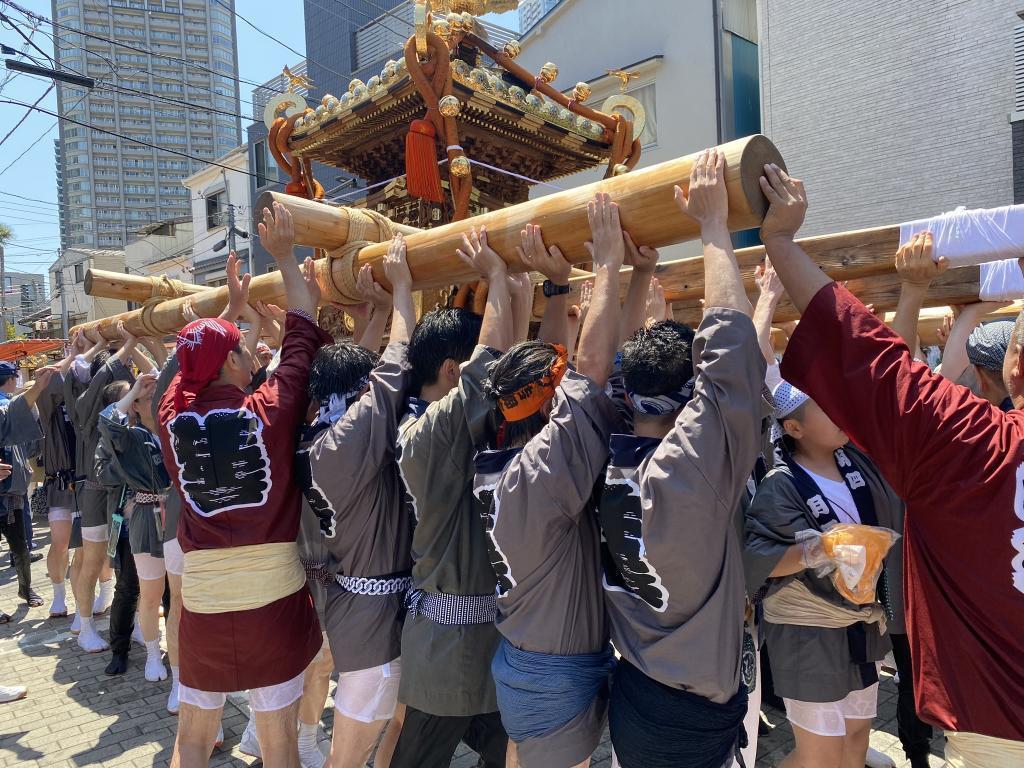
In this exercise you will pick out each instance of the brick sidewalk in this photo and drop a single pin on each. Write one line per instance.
(77, 716)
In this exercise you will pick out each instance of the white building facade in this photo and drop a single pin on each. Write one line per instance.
(220, 201)
(692, 67)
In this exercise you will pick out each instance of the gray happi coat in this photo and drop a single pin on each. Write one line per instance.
(446, 670)
(674, 575)
(358, 497)
(814, 664)
(58, 444)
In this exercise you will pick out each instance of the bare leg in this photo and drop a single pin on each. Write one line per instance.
(813, 751)
(173, 618)
(57, 564)
(277, 733)
(197, 729)
(353, 741)
(151, 592)
(388, 742)
(316, 683)
(94, 557)
(57, 557)
(855, 745)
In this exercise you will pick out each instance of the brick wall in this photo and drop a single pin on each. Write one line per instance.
(891, 110)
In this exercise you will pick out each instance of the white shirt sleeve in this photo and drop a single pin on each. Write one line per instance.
(81, 369)
(772, 377)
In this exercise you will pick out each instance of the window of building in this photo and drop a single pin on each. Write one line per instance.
(79, 273)
(215, 209)
(266, 166)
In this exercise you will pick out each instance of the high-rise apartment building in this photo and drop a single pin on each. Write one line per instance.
(166, 74)
(532, 11)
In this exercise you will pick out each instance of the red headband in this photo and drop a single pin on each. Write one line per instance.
(530, 398)
(203, 346)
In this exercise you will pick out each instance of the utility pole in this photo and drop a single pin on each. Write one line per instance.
(231, 215)
(3, 290)
(63, 297)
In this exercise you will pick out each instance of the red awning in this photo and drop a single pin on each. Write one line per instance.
(21, 348)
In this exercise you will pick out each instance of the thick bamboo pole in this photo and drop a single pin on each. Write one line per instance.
(645, 197)
(140, 288)
(321, 225)
(647, 208)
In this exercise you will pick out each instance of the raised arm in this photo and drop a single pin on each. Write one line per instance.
(771, 293)
(496, 330)
(800, 275)
(40, 382)
(156, 349)
(707, 201)
(396, 269)
(634, 308)
(577, 314)
(521, 290)
(917, 270)
(238, 289)
(277, 234)
(380, 301)
(554, 327)
(599, 338)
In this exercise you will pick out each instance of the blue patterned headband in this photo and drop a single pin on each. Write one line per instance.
(660, 405)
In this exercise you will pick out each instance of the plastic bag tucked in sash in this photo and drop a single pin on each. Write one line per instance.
(856, 556)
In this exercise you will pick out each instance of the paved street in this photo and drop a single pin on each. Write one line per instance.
(77, 716)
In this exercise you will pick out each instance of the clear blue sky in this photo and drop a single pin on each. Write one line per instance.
(37, 235)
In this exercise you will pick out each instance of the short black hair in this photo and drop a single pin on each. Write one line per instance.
(337, 368)
(97, 362)
(441, 334)
(114, 391)
(658, 359)
(526, 362)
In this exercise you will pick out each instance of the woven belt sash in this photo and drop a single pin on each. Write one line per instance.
(453, 610)
(240, 578)
(149, 498)
(796, 604)
(360, 585)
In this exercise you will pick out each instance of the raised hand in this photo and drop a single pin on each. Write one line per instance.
(788, 204)
(238, 289)
(548, 261)
(607, 248)
(128, 339)
(657, 308)
(642, 259)
(188, 311)
(277, 232)
(372, 291)
(915, 263)
(396, 265)
(707, 199)
(768, 282)
(312, 284)
(476, 253)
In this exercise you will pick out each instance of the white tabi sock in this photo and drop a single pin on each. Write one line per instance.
(174, 674)
(307, 735)
(153, 647)
(59, 592)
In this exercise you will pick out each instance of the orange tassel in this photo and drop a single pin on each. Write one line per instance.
(423, 179)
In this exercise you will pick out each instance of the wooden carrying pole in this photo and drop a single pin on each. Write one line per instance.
(844, 256)
(139, 288)
(956, 286)
(645, 198)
